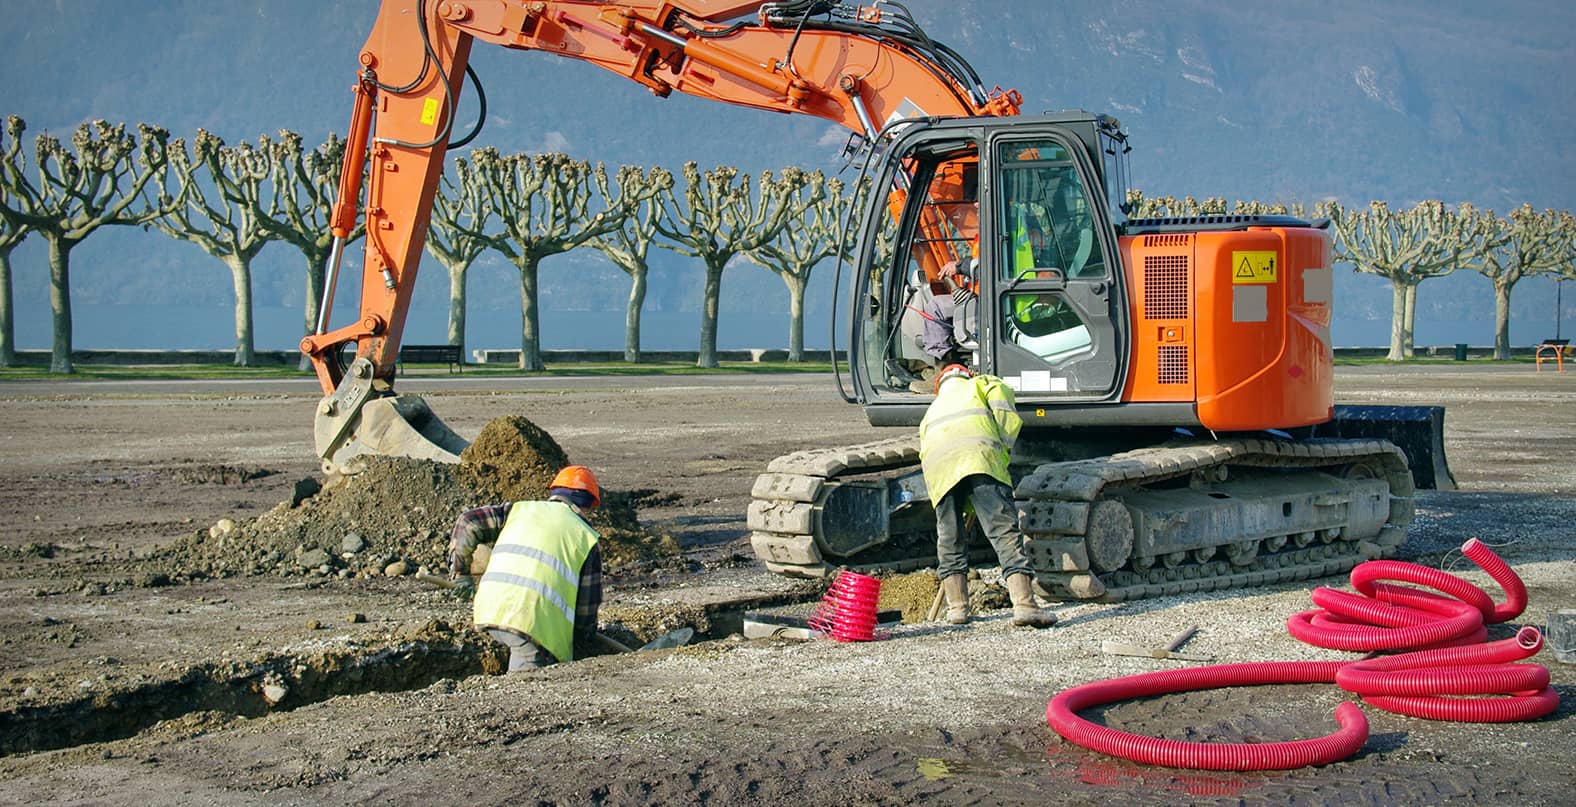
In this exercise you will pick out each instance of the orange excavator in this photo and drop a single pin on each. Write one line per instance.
(1175, 376)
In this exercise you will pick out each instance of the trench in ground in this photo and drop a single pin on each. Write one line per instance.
(421, 657)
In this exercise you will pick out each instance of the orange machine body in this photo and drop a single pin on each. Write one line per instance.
(1238, 321)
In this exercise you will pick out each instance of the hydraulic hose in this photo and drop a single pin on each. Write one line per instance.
(1436, 683)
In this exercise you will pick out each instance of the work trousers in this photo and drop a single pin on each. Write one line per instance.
(523, 653)
(998, 517)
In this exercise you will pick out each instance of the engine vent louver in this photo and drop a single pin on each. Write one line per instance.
(1167, 240)
(1171, 367)
(1166, 287)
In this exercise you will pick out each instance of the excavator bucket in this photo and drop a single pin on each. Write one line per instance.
(399, 426)
(1419, 431)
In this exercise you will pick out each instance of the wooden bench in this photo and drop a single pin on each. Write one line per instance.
(432, 354)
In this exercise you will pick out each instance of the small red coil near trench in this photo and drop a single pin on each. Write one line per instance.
(1428, 683)
(848, 612)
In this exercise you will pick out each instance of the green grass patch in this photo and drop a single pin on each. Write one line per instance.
(89, 372)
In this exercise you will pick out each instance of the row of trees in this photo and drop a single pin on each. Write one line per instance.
(1425, 241)
(233, 201)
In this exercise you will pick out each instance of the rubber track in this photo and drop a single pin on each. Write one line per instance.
(1074, 485)
(1054, 500)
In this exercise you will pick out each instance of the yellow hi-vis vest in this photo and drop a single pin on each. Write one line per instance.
(969, 429)
(533, 576)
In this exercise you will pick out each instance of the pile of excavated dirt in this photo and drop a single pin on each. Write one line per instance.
(394, 518)
(914, 593)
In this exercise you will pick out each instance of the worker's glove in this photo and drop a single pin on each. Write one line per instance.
(464, 588)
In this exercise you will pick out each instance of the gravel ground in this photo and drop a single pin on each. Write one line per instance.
(930, 714)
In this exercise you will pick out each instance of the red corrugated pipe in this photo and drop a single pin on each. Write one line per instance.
(1060, 713)
(1389, 617)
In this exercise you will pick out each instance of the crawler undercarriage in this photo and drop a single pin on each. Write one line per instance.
(1179, 517)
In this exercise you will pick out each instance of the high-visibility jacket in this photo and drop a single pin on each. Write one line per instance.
(969, 429)
(533, 576)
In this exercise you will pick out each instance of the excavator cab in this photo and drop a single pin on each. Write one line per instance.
(1019, 204)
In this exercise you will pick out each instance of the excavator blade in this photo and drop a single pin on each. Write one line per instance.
(397, 426)
(1419, 431)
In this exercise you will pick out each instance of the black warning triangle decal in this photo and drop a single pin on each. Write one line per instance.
(1245, 269)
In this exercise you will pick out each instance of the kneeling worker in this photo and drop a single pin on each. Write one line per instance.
(543, 583)
(964, 441)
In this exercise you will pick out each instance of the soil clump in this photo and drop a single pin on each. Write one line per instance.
(394, 518)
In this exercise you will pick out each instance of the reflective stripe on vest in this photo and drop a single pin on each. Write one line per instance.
(961, 434)
(533, 576)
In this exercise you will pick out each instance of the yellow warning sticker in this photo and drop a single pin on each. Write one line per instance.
(429, 111)
(1256, 266)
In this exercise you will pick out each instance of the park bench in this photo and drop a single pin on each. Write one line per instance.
(432, 354)
(1555, 350)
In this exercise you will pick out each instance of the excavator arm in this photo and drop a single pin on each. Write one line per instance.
(858, 66)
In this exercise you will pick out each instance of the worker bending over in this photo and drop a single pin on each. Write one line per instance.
(543, 583)
(964, 442)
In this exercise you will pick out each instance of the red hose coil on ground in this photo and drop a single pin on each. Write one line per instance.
(1454, 663)
(1411, 683)
(1060, 713)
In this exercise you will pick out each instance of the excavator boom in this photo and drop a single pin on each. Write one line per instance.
(852, 68)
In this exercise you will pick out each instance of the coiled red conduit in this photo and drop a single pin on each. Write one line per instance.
(1390, 617)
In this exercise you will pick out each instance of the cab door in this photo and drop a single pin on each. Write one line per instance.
(1052, 299)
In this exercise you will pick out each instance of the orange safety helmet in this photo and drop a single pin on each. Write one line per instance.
(579, 477)
(951, 371)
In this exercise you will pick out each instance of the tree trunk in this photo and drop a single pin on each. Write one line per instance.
(1397, 321)
(457, 275)
(7, 317)
(637, 299)
(241, 282)
(60, 302)
(796, 288)
(530, 339)
(708, 316)
(1502, 321)
(1409, 330)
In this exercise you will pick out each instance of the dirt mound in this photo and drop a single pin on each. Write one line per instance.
(395, 517)
(512, 459)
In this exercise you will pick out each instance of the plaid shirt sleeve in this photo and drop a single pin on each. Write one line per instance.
(589, 600)
(473, 527)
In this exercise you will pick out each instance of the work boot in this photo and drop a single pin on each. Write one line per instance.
(956, 589)
(1025, 613)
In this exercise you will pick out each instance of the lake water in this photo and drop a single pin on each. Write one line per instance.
(187, 327)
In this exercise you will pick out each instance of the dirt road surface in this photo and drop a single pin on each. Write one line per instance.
(120, 685)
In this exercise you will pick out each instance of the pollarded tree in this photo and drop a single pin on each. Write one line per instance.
(813, 235)
(12, 233)
(460, 212)
(545, 203)
(1563, 267)
(107, 177)
(1405, 247)
(1507, 250)
(222, 216)
(716, 220)
(306, 183)
(628, 245)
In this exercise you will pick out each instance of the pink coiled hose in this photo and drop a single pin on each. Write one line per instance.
(1430, 683)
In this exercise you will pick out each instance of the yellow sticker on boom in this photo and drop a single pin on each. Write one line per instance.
(1254, 266)
(429, 111)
